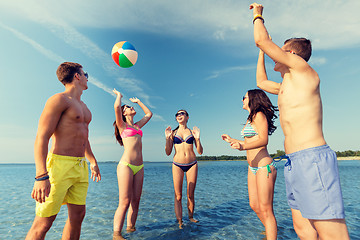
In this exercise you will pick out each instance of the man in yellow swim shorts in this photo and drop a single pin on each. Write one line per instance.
(62, 173)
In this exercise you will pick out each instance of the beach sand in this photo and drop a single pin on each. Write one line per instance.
(349, 158)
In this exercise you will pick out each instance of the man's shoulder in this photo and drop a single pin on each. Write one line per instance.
(306, 75)
(58, 96)
(58, 99)
(303, 67)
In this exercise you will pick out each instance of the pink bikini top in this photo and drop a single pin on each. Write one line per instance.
(129, 132)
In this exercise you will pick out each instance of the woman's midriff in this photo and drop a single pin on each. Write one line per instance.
(258, 157)
(184, 155)
(133, 154)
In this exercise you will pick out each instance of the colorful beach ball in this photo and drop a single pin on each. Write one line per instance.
(124, 54)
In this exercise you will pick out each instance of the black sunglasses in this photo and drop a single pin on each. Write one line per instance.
(125, 107)
(180, 114)
(86, 74)
(244, 98)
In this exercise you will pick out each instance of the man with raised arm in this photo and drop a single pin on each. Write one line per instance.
(311, 175)
(62, 173)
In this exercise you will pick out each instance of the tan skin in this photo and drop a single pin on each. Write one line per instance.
(301, 116)
(65, 119)
(130, 185)
(184, 154)
(260, 186)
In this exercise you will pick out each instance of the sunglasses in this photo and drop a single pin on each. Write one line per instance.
(126, 106)
(244, 98)
(86, 74)
(180, 114)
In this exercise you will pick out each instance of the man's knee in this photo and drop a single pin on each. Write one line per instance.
(40, 227)
(77, 214)
(305, 231)
(81, 214)
(331, 229)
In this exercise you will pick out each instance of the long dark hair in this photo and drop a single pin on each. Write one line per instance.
(181, 110)
(117, 132)
(259, 102)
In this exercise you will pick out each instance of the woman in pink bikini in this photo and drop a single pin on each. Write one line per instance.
(262, 170)
(183, 139)
(130, 170)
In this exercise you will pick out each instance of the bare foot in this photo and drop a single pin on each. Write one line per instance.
(117, 236)
(130, 229)
(193, 220)
(180, 224)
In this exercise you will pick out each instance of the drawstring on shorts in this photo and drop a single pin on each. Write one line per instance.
(288, 162)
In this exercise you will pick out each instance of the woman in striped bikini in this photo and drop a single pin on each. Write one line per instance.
(262, 170)
(130, 170)
(183, 139)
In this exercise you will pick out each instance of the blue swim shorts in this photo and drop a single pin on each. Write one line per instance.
(313, 183)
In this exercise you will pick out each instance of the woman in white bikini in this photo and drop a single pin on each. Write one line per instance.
(183, 139)
(130, 170)
(262, 170)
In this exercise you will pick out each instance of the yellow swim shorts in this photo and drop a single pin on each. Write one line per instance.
(69, 178)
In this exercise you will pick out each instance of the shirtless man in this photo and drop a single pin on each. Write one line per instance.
(312, 178)
(62, 174)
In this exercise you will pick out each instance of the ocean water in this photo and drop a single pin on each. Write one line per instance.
(221, 204)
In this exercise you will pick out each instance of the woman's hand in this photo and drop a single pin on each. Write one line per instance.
(196, 132)
(135, 100)
(168, 132)
(226, 138)
(117, 93)
(239, 145)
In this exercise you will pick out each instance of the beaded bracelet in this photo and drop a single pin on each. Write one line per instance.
(42, 178)
(258, 17)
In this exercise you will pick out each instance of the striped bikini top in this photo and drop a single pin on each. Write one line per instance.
(248, 130)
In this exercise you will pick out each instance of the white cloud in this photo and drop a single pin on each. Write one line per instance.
(134, 86)
(157, 118)
(317, 61)
(218, 73)
(48, 53)
(74, 38)
(100, 85)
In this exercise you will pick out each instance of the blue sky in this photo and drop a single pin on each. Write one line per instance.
(194, 55)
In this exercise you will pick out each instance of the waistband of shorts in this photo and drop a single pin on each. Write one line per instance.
(64, 157)
(313, 150)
